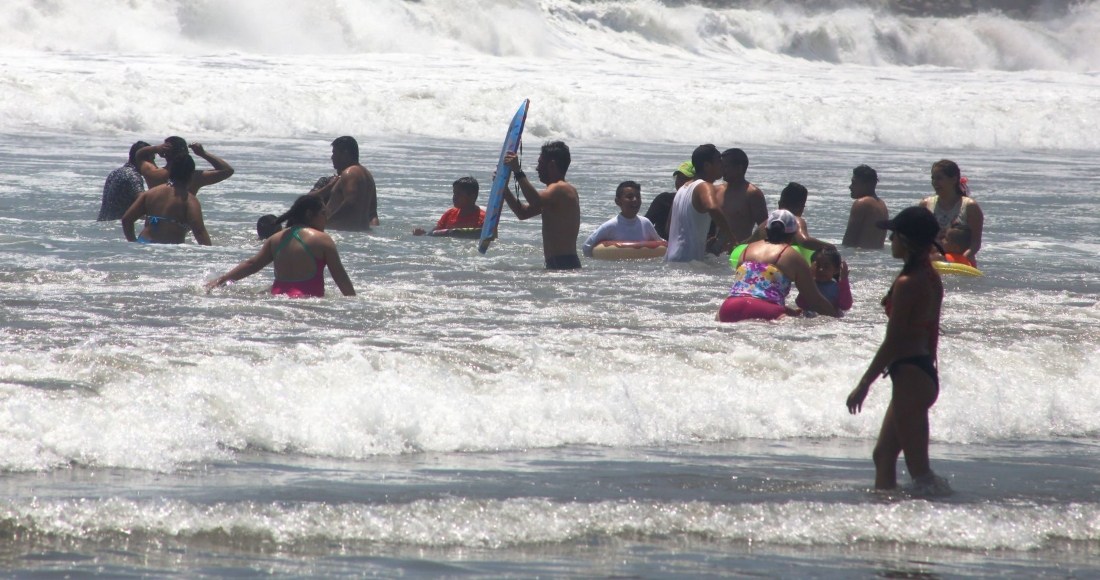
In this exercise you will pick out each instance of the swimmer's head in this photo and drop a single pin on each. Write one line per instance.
(864, 181)
(345, 152)
(683, 174)
(177, 147)
(735, 161)
(556, 152)
(707, 162)
(267, 226)
(628, 196)
(826, 264)
(181, 170)
(464, 192)
(914, 231)
(948, 171)
(137, 146)
(303, 212)
(793, 198)
(781, 226)
(957, 239)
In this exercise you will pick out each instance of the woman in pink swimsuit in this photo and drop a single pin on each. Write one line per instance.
(300, 253)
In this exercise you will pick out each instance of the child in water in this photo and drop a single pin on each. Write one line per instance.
(831, 276)
(465, 214)
(956, 241)
(627, 226)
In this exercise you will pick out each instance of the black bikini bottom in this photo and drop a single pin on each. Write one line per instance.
(921, 361)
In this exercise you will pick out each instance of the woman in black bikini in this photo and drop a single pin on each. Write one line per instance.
(908, 352)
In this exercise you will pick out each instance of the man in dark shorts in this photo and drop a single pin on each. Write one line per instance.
(558, 204)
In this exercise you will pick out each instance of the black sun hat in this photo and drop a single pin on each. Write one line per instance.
(915, 223)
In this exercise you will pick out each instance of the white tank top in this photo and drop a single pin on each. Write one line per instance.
(687, 231)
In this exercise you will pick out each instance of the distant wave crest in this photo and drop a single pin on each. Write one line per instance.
(1019, 36)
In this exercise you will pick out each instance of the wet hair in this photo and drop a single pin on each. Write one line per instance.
(181, 170)
(958, 235)
(466, 185)
(298, 214)
(865, 174)
(951, 169)
(736, 156)
(793, 196)
(558, 152)
(267, 226)
(348, 145)
(625, 185)
(178, 147)
(703, 154)
(137, 146)
(830, 254)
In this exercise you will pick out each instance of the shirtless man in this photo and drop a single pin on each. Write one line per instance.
(743, 203)
(867, 211)
(695, 206)
(175, 147)
(351, 198)
(558, 204)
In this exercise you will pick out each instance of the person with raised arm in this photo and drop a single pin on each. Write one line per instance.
(170, 210)
(176, 147)
(558, 204)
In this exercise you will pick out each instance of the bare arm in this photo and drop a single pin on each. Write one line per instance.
(198, 226)
(976, 220)
(523, 211)
(709, 201)
(336, 269)
(135, 211)
(856, 217)
(247, 267)
(902, 308)
(758, 206)
(221, 171)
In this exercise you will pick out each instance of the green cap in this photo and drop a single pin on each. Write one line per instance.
(686, 169)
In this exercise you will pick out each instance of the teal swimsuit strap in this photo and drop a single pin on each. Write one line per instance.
(293, 235)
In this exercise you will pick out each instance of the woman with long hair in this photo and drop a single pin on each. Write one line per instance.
(170, 210)
(908, 352)
(300, 253)
(952, 205)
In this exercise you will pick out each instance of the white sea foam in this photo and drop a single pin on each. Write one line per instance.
(501, 523)
(635, 71)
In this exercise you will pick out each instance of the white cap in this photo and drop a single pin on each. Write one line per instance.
(790, 223)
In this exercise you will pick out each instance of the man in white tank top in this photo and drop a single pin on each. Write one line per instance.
(693, 208)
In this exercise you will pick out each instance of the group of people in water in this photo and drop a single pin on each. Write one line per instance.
(769, 251)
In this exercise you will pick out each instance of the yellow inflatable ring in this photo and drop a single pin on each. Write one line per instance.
(956, 269)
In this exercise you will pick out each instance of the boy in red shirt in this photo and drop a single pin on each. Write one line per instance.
(465, 215)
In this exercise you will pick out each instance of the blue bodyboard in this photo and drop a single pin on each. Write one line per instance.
(496, 194)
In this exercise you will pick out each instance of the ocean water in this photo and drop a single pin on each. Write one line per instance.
(476, 416)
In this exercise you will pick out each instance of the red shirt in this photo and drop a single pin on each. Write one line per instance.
(452, 220)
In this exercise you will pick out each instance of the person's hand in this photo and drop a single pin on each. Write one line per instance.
(511, 160)
(163, 150)
(858, 394)
(197, 148)
(843, 270)
(214, 284)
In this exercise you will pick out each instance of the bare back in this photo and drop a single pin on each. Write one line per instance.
(291, 259)
(863, 230)
(744, 207)
(353, 204)
(561, 219)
